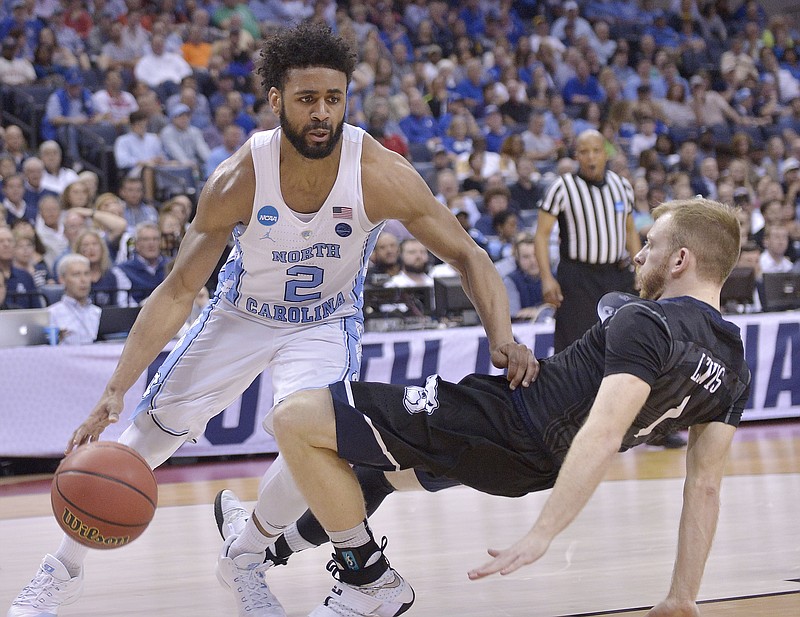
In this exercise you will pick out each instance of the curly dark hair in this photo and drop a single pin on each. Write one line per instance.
(307, 45)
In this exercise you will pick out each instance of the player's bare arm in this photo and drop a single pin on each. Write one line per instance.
(225, 201)
(394, 190)
(618, 400)
(706, 456)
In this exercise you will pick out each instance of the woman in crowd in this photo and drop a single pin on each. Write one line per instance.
(28, 253)
(75, 195)
(110, 286)
(118, 238)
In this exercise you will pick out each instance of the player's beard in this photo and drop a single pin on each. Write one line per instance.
(651, 285)
(298, 138)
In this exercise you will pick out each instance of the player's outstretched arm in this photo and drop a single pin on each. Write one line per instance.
(225, 201)
(618, 400)
(394, 190)
(706, 456)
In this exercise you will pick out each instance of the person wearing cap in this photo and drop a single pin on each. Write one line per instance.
(14, 70)
(68, 108)
(580, 27)
(791, 186)
(191, 96)
(183, 142)
(790, 165)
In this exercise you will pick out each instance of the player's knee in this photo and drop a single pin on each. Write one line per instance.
(297, 415)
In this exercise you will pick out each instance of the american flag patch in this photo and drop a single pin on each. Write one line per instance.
(342, 212)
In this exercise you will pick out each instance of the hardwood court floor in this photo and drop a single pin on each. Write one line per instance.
(615, 559)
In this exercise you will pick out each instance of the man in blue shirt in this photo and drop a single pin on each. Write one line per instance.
(146, 268)
(232, 139)
(471, 87)
(583, 88)
(495, 131)
(419, 126)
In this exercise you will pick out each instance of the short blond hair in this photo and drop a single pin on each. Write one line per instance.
(707, 228)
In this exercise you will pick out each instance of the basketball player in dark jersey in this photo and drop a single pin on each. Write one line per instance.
(664, 362)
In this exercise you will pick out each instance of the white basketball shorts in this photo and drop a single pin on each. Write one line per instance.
(226, 349)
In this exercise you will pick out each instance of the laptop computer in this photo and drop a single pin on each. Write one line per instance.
(781, 291)
(116, 322)
(23, 327)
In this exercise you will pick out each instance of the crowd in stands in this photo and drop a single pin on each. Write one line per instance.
(485, 97)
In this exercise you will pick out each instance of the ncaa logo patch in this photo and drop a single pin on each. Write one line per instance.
(268, 216)
(343, 230)
(619, 206)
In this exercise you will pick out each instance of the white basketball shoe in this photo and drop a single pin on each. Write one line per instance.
(389, 596)
(51, 588)
(244, 576)
(231, 515)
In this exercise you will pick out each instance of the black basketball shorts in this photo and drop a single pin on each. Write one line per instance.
(470, 432)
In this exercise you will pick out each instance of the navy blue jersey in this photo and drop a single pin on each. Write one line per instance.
(689, 355)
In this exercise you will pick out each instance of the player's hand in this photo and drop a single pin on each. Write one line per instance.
(105, 412)
(526, 551)
(521, 367)
(551, 291)
(674, 608)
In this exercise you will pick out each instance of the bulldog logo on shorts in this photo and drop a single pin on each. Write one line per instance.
(417, 399)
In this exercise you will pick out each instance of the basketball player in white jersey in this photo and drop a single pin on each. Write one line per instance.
(305, 203)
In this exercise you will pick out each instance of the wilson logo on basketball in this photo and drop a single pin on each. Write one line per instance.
(92, 534)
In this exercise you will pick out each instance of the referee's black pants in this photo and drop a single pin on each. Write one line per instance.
(582, 286)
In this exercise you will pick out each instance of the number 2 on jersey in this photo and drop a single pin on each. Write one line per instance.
(295, 285)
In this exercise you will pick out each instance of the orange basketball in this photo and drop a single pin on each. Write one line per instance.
(104, 495)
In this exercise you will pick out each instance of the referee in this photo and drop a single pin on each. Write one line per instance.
(598, 239)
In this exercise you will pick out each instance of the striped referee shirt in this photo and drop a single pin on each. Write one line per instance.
(591, 216)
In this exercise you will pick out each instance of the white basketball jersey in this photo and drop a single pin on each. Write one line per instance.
(292, 269)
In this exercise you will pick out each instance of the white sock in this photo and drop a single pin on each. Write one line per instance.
(295, 541)
(251, 540)
(71, 554)
(350, 538)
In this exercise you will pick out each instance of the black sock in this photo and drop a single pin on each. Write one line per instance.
(358, 558)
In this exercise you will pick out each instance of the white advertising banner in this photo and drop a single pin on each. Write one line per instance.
(45, 392)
